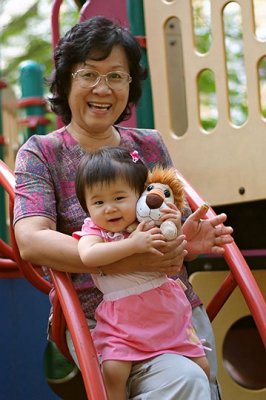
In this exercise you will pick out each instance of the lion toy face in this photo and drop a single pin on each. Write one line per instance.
(162, 187)
(152, 201)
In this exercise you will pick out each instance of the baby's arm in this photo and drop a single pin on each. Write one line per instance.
(94, 252)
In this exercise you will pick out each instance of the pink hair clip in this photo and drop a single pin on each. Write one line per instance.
(135, 156)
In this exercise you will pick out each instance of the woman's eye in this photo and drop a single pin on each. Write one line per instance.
(115, 76)
(90, 75)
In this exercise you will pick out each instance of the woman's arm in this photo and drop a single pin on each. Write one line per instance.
(41, 244)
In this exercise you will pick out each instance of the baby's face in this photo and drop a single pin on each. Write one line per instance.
(112, 206)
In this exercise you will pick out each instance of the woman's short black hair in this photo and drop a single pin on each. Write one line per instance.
(106, 165)
(93, 39)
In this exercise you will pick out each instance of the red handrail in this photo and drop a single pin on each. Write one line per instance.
(55, 22)
(81, 337)
(69, 302)
(31, 272)
(240, 274)
(6, 250)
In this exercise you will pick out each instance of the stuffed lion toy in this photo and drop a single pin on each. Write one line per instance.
(162, 187)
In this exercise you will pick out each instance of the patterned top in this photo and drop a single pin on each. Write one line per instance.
(45, 186)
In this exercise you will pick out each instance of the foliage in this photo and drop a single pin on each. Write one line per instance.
(18, 24)
(28, 37)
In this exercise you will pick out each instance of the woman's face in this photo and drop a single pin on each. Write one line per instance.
(95, 109)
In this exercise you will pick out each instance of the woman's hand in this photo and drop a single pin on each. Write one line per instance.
(169, 263)
(171, 253)
(206, 235)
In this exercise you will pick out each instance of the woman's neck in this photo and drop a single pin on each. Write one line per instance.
(93, 141)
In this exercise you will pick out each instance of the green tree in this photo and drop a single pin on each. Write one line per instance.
(24, 39)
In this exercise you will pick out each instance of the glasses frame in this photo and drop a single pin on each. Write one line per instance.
(100, 76)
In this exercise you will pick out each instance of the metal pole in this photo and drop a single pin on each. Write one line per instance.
(32, 100)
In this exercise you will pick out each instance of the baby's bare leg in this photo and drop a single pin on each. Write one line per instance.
(203, 363)
(116, 374)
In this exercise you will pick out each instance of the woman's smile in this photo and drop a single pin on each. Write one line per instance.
(99, 106)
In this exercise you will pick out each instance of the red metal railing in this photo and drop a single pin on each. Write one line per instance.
(239, 274)
(67, 310)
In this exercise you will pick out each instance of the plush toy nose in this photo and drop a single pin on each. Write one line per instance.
(154, 199)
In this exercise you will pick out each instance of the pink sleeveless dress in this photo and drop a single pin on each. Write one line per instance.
(142, 315)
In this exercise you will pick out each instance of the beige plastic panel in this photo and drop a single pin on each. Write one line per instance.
(219, 163)
(206, 284)
(10, 133)
(10, 126)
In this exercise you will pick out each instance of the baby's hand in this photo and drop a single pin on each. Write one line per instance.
(143, 227)
(147, 241)
(172, 213)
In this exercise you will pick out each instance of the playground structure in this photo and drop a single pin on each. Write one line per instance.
(228, 173)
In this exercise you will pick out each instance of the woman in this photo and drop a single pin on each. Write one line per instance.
(97, 78)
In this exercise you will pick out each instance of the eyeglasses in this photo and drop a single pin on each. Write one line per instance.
(89, 78)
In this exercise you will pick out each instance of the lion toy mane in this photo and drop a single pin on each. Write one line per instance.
(162, 187)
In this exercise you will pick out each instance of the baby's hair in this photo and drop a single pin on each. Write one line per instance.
(106, 165)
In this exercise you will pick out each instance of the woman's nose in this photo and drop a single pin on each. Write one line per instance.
(101, 86)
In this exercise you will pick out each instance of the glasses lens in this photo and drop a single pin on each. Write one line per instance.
(117, 79)
(89, 77)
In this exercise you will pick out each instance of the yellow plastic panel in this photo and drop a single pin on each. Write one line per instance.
(220, 163)
(233, 312)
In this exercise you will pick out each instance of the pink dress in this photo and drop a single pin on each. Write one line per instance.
(142, 315)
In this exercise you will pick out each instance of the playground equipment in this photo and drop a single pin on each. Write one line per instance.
(10, 141)
(240, 351)
(222, 155)
(246, 300)
(32, 99)
(230, 156)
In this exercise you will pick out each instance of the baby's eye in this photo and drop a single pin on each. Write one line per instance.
(120, 198)
(98, 202)
(167, 193)
(149, 188)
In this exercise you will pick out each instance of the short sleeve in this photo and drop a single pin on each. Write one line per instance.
(34, 190)
(88, 228)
